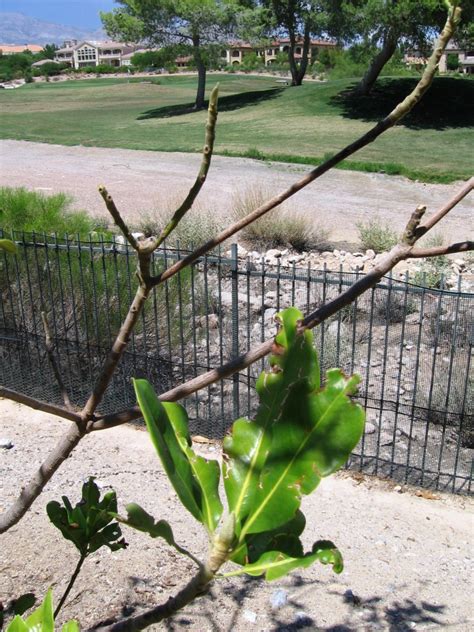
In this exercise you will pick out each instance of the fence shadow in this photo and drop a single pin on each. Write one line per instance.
(226, 104)
(448, 103)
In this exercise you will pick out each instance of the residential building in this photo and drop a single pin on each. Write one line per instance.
(83, 54)
(236, 51)
(465, 59)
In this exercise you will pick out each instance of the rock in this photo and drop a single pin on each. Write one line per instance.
(213, 321)
(241, 252)
(273, 253)
(269, 314)
(249, 616)
(369, 428)
(279, 599)
(6, 443)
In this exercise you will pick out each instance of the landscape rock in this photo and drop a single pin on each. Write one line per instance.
(5, 443)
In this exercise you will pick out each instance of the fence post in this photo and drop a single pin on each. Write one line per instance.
(235, 327)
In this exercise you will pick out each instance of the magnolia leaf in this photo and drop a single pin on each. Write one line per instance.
(9, 246)
(300, 434)
(275, 564)
(194, 479)
(141, 520)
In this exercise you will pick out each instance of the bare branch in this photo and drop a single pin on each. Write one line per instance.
(398, 253)
(434, 219)
(118, 219)
(401, 110)
(203, 171)
(36, 404)
(72, 438)
(52, 360)
(463, 246)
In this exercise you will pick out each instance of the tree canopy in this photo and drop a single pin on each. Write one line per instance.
(165, 22)
(387, 23)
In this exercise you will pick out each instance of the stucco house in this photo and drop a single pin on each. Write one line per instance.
(236, 51)
(465, 59)
(83, 54)
(8, 49)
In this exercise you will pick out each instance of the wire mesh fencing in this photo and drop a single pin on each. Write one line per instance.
(411, 346)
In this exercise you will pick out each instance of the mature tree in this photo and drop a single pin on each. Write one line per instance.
(387, 23)
(164, 22)
(49, 51)
(300, 20)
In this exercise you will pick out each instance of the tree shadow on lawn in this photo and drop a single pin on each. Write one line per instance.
(448, 103)
(226, 104)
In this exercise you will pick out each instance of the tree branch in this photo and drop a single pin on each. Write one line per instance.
(398, 253)
(118, 219)
(52, 360)
(463, 246)
(203, 171)
(382, 126)
(86, 424)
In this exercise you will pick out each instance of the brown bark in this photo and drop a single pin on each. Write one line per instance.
(201, 69)
(389, 46)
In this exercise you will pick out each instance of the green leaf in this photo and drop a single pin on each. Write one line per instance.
(9, 246)
(71, 626)
(300, 434)
(89, 524)
(194, 479)
(17, 625)
(43, 617)
(141, 520)
(284, 538)
(275, 564)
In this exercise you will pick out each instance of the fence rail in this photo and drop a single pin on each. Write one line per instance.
(412, 346)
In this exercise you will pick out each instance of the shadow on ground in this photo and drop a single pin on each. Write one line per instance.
(448, 103)
(356, 613)
(226, 104)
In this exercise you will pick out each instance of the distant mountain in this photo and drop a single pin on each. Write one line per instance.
(17, 28)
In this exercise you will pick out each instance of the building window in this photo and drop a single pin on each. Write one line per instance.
(86, 54)
(235, 53)
(298, 50)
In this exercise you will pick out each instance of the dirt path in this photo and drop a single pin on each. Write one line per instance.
(408, 559)
(139, 179)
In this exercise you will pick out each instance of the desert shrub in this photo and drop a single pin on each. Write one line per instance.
(392, 306)
(105, 69)
(280, 227)
(376, 236)
(197, 227)
(32, 211)
(434, 269)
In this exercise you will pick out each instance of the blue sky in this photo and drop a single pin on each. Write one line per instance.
(80, 13)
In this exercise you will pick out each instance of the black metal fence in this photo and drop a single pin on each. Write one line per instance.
(412, 346)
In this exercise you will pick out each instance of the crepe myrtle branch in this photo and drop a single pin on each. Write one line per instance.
(146, 247)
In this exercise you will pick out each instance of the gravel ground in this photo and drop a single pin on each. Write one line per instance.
(139, 180)
(408, 553)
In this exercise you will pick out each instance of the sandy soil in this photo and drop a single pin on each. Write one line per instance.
(139, 180)
(408, 558)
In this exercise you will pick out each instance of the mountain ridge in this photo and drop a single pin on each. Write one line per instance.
(18, 28)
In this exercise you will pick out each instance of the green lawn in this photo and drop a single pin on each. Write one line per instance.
(258, 117)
